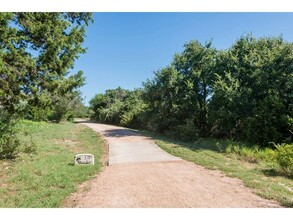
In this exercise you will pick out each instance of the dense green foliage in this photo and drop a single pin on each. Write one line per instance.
(8, 139)
(36, 52)
(284, 157)
(243, 93)
(253, 92)
(119, 106)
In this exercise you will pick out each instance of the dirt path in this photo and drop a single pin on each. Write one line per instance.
(140, 174)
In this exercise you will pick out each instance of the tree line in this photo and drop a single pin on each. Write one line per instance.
(243, 93)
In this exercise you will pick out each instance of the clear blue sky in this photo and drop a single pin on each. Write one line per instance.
(124, 49)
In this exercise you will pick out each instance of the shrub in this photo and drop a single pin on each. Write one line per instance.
(267, 154)
(30, 146)
(37, 113)
(8, 139)
(127, 119)
(187, 131)
(284, 157)
(249, 154)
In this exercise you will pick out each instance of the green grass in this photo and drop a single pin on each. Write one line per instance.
(45, 175)
(261, 175)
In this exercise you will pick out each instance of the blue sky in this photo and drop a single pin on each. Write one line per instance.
(124, 49)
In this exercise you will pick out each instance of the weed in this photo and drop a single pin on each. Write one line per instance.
(30, 147)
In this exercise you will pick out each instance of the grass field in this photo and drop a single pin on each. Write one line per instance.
(262, 176)
(43, 173)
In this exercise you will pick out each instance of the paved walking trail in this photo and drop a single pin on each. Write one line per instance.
(140, 174)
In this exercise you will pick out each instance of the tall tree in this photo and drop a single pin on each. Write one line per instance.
(254, 87)
(36, 52)
(196, 64)
(161, 95)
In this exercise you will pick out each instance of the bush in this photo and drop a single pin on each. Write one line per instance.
(267, 154)
(8, 139)
(284, 157)
(127, 119)
(29, 147)
(39, 113)
(187, 131)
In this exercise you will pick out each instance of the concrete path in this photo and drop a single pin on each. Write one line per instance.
(142, 175)
(127, 146)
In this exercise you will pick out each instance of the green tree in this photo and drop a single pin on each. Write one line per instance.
(254, 88)
(108, 107)
(243, 93)
(161, 97)
(134, 107)
(97, 104)
(36, 52)
(178, 95)
(119, 106)
(196, 64)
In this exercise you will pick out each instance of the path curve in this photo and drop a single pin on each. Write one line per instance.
(128, 146)
(140, 174)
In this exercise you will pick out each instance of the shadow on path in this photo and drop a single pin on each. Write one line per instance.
(83, 121)
(121, 133)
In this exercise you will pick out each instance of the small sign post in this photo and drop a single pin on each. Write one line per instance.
(84, 159)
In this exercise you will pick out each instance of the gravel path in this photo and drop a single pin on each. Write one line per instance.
(140, 174)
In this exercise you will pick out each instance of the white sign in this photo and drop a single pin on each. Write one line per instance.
(84, 159)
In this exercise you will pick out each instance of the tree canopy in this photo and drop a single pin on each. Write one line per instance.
(37, 50)
(243, 93)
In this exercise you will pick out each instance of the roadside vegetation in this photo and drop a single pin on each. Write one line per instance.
(243, 94)
(43, 172)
